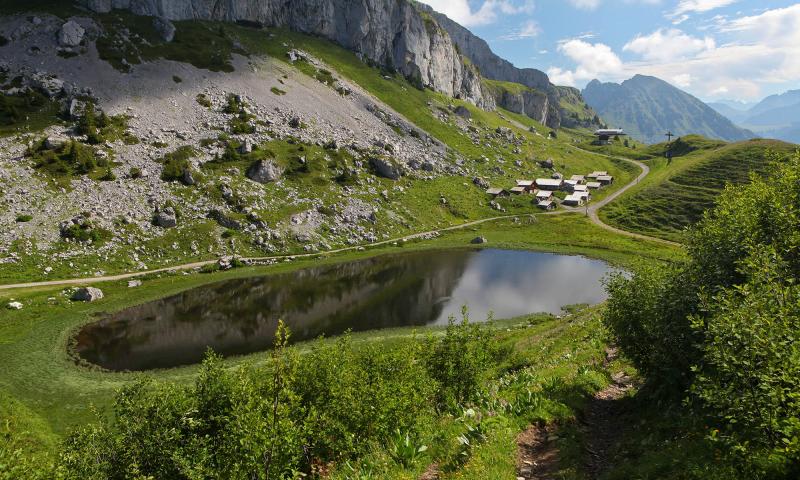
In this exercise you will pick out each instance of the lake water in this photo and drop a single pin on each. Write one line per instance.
(423, 288)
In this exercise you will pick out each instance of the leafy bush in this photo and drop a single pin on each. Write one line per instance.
(459, 360)
(24, 218)
(354, 397)
(135, 172)
(68, 159)
(176, 163)
(649, 317)
(726, 322)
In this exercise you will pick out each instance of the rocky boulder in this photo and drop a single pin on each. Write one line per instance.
(479, 240)
(386, 168)
(47, 84)
(87, 294)
(70, 34)
(264, 171)
(164, 28)
(165, 218)
(463, 112)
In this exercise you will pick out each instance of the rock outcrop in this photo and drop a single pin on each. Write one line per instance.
(264, 171)
(426, 47)
(87, 294)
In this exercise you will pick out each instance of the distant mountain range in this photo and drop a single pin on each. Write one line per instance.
(647, 107)
(777, 116)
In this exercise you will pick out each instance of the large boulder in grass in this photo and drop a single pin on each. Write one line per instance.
(165, 218)
(264, 171)
(87, 294)
(386, 168)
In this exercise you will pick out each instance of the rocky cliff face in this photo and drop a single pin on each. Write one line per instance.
(425, 46)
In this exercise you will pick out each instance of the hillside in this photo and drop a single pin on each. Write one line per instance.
(647, 108)
(677, 193)
(347, 153)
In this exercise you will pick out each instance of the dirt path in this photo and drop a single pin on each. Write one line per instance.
(537, 450)
(537, 453)
(601, 425)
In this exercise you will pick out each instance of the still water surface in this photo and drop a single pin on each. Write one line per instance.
(424, 288)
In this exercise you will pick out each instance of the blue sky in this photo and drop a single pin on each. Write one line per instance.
(715, 49)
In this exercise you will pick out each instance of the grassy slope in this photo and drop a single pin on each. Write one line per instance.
(420, 202)
(676, 193)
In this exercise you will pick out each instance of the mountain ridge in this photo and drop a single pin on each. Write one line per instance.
(647, 107)
(423, 45)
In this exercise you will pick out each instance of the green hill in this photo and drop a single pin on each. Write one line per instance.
(677, 192)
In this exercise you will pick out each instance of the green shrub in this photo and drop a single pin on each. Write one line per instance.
(725, 323)
(357, 396)
(135, 172)
(203, 100)
(277, 91)
(176, 163)
(24, 218)
(459, 360)
(86, 232)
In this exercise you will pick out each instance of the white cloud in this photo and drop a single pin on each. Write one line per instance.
(683, 80)
(592, 59)
(585, 4)
(700, 6)
(463, 13)
(749, 53)
(530, 29)
(667, 45)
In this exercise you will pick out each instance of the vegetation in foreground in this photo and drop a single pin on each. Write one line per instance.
(343, 409)
(722, 326)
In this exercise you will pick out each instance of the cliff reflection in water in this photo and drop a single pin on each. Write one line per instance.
(241, 316)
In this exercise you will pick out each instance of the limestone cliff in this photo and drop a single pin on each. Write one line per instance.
(425, 46)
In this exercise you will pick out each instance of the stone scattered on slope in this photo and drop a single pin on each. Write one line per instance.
(134, 283)
(165, 218)
(479, 240)
(87, 294)
(70, 34)
(14, 306)
(386, 168)
(264, 171)
(164, 28)
(463, 112)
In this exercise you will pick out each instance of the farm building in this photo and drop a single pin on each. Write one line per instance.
(518, 190)
(574, 200)
(596, 174)
(605, 179)
(604, 135)
(586, 196)
(549, 183)
(528, 185)
(497, 192)
(579, 178)
(580, 188)
(569, 185)
(544, 195)
(593, 185)
(547, 205)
